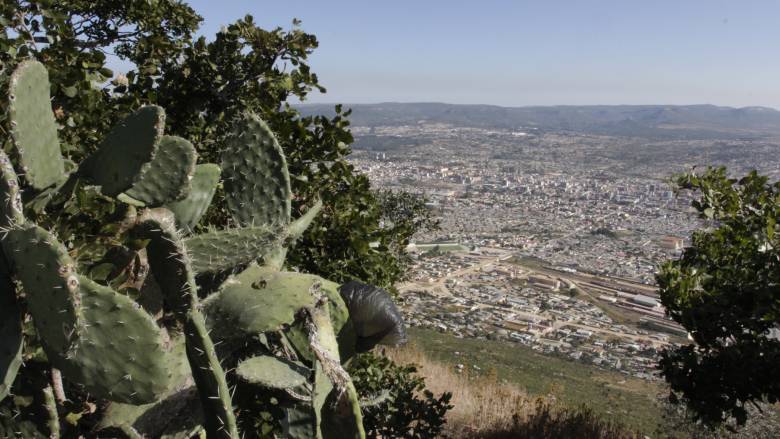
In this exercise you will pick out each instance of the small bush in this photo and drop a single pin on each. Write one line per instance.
(408, 411)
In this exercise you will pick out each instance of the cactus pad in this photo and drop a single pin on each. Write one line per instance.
(11, 340)
(10, 198)
(168, 259)
(257, 183)
(127, 151)
(121, 355)
(167, 178)
(300, 422)
(220, 421)
(225, 249)
(339, 318)
(177, 411)
(336, 403)
(33, 128)
(260, 299)
(51, 286)
(297, 227)
(272, 372)
(202, 188)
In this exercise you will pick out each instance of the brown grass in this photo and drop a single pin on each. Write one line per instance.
(484, 407)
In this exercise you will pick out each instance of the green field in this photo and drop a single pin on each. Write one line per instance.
(613, 395)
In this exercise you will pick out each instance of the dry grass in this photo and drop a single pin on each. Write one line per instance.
(484, 407)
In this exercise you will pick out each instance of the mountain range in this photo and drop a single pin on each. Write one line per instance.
(648, 121)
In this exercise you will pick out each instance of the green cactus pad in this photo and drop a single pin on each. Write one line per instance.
(297, 227)
(11, 339)
(294, 231)
(202, 188)
(10, 198)
(127, 151)
(225, 249)
(337, 309)
(168, 259)
(323, 387)
(51, 286)
(337, 416)
(272, 372)
(167, 178)
(342, 327)
(257, 183)
(33, 128)
(220, 421)
(178, 411)
(121, 355)
(169, 262)
(259, 299)
(300, 422)
(342, 420)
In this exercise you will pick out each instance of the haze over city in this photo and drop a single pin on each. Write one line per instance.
(533, 53)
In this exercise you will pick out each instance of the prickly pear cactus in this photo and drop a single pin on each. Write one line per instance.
(122, 331)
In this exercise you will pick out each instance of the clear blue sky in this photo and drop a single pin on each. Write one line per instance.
(543, 52)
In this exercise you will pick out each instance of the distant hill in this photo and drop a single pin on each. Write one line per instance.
(653, 121)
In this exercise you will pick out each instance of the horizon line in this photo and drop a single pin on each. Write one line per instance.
(345, 103)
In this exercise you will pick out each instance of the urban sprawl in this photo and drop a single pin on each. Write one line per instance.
(550, 240)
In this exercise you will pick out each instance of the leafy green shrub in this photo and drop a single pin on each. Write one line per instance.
(409, 410)
(724, 290)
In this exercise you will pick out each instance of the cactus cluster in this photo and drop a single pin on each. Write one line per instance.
(166, 337)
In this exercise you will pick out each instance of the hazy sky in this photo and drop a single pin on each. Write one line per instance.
(542, 52)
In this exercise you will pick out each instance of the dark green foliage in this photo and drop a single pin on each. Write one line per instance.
(725, 290)
(203, 85)
(410, 411)
(89, 215)
(71, 38)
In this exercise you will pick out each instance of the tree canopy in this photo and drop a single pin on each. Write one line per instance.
(203, 83)
(725, 290)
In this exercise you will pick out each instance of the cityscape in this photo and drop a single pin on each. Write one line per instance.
(548, 239)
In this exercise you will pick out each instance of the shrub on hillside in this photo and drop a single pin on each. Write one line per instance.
(408, 410)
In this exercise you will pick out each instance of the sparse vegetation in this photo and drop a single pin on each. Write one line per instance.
(485, 406)
(504, 399)
(611, 396)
